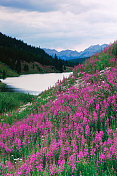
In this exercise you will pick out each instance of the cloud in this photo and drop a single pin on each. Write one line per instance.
(33, 5)
(30, 5)
(76, 6)
(60, 24)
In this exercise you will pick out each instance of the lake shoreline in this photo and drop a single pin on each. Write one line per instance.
(33, 84)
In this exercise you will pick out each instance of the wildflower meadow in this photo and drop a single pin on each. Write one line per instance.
(70, 129)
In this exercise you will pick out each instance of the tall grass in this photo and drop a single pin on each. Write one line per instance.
(10, 101)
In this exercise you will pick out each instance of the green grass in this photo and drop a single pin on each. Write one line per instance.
(10, 101)
(36, 102)
(2, 85)
(5, 71)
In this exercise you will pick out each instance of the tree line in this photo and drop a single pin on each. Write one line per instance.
(13, 52)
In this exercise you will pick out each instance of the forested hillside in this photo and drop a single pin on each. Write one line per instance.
(22, 58)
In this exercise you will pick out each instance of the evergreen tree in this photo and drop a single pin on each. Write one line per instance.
(26, 68)
(18, 66)
(3, 74)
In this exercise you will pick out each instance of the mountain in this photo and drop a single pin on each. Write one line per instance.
(24, 58)
(70, 54)
(51, 52)
(92, 50)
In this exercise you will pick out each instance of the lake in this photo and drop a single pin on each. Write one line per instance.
(33, 83)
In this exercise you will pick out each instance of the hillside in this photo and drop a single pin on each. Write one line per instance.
(74, 62)
(71, 129)
(5, 71)
(23, 58)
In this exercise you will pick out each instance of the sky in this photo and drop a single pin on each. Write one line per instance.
(60, 24)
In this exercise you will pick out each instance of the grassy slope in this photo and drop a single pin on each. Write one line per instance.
(8, 73)
(10, 101)
(71, 128)
(7, 70)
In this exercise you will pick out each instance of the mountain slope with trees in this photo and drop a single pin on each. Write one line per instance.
(23, 58)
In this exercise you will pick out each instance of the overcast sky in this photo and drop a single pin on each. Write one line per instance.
(60, 24)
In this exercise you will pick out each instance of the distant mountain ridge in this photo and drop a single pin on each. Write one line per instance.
(70, 54)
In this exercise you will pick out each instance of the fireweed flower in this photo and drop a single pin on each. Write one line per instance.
(76, 126)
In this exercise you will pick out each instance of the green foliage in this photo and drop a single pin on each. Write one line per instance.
(9, 101)
(114, 49)
(26, 68)
(59, 64)
(5, 71)
(73, 62)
